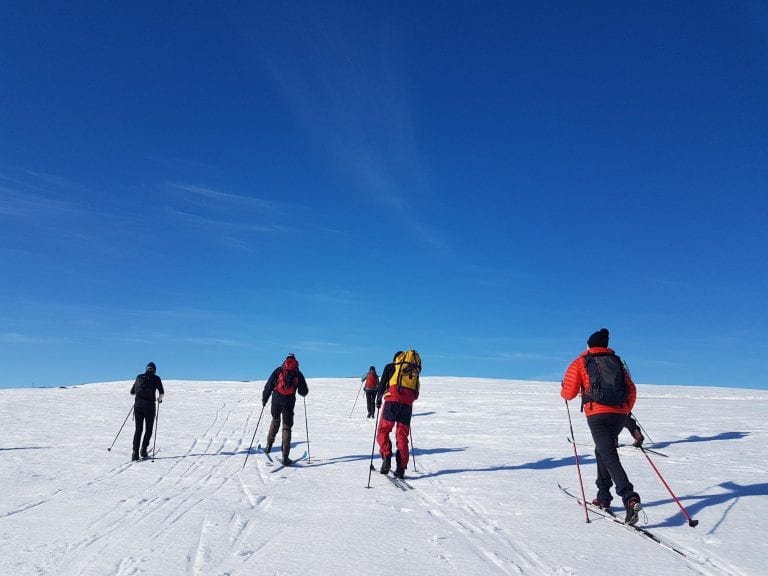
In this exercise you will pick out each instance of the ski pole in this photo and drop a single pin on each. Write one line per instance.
(254, 435)
(691, 522)
(306, 425)
(572, 440)
(355, 404)
(154, 440)
(413, 450)
(373, 446)
(121, 429)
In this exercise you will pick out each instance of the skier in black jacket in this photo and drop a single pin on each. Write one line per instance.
(144, 407)
(282, 386)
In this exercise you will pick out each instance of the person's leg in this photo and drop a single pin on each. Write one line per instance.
(382, 438)
(605, 429)
(275, 410)
(138, 419)
(149, 421)
(403, 418)
(288, 404)
(402, 456)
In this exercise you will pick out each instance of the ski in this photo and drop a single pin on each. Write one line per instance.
(648, 535)
(260, 449)
(401, 483)
(150, 457)
(652, 451)
(405, 483)
(281, 465)
(397, 483)
(641, 448)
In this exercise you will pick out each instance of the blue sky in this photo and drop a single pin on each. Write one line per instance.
(211, 185)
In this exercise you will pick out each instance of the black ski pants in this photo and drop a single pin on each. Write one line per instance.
(144, 417)
(370, 401)
(605, 429)
(283, 406)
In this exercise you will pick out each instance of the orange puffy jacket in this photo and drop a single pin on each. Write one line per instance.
(576, 380)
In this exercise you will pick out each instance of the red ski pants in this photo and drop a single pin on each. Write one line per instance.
(400, 414)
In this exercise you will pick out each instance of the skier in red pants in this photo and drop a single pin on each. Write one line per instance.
(399, 388)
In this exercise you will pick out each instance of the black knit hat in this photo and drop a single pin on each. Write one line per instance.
(151, 367)
(373, 368)
(599, 339)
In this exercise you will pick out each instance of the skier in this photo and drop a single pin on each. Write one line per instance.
(144, 407)
(599, 366)
(371, 380)
(399, 386)
(282, 386)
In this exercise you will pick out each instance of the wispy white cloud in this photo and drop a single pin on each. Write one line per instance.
(18, 338)
(355, 105)
(208, 222)
(228, 200)
(21, 202)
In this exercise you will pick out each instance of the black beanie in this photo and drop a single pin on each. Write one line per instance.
(599, 339)
(151, 367)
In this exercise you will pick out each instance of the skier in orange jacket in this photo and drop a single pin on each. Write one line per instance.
(607, 407)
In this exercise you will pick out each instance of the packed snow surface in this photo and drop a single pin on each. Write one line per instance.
(488, 456)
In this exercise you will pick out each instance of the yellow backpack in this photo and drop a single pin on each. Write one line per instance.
(407, 369)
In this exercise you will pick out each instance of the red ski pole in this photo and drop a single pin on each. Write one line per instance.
(572, 440)
(691, 522)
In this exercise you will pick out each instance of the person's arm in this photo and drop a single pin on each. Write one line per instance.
(572, 381)
(389, 369)
(632, 392)
(269, 386)
(133, 388)
(160, 389)
(302, 387)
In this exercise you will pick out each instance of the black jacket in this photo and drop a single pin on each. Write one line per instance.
(144, 389)
(387, 373)
(269, 387)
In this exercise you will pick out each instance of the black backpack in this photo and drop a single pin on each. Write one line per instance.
(144, 387)
(607, 380)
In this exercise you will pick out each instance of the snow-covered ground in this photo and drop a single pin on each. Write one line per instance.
(488, 457)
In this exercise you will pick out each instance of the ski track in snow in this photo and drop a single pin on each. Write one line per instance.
(470, 522)
(192, 479)
(196, 511)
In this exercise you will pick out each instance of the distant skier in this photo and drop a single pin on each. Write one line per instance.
(608, 396)
(143, 389)
(282, 386)
(371, 380)
(399, 388)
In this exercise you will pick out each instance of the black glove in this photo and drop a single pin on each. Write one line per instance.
(263, 403)
(378, 404)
